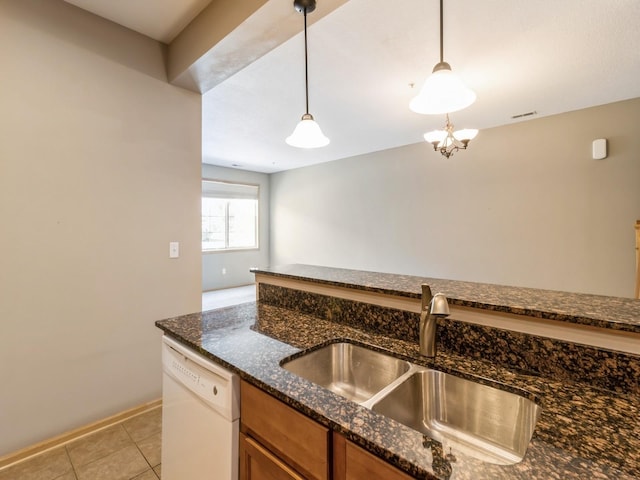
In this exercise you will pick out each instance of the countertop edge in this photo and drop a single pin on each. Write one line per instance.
(569, 312)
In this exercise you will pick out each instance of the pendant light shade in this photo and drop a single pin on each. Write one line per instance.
(307, 133)
(443, 91)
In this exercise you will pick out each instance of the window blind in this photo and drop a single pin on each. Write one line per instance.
(228, 190)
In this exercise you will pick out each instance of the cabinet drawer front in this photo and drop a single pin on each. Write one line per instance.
(298, 440)
(257, 463)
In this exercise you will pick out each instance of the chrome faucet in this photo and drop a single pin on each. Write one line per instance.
(433, 306)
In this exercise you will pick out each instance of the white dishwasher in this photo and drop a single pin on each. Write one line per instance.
(200, 416)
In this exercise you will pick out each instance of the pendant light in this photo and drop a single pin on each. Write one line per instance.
(307, 133)
(442, 91)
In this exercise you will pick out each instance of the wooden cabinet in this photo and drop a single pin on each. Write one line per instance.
(351, 462)
(258, 463)
(279, 443)
(285, 437)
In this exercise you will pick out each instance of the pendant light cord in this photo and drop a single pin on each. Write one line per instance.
(441, 35)
(306, 69)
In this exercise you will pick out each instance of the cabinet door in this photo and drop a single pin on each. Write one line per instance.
(257, 463)
(351, 462)
(301, 442)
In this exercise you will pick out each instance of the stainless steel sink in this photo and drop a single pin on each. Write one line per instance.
(352, 371)
(484, 422)
(487, 423)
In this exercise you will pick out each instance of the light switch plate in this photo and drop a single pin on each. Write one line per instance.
(174, 249)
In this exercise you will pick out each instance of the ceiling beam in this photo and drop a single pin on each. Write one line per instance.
(228, 35)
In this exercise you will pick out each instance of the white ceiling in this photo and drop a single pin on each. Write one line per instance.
(161, 20)
(548, 56)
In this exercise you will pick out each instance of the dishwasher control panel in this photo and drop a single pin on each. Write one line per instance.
(209, 381)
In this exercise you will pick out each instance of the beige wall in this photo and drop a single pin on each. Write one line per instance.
(526, 205)
(99, 171)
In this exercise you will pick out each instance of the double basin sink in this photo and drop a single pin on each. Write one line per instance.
(482, 421)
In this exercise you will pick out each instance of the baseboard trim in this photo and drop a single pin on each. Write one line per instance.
(77, 433)
(227, 288)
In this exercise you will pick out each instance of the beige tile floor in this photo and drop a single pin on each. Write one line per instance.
(126, 451)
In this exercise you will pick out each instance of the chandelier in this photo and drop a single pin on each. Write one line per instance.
(448, 141)
(444, 92)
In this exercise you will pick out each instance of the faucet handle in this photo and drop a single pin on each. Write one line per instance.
(426, 297)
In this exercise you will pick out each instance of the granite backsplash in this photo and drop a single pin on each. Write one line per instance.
(534, 355)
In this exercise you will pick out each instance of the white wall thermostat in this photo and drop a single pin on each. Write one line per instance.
(600, 148)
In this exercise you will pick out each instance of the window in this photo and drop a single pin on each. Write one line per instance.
(229, 216)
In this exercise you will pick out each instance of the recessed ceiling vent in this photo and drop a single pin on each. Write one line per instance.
(523, 115)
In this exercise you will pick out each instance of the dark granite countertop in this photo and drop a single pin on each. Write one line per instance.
(582, 432)
(614, 313)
